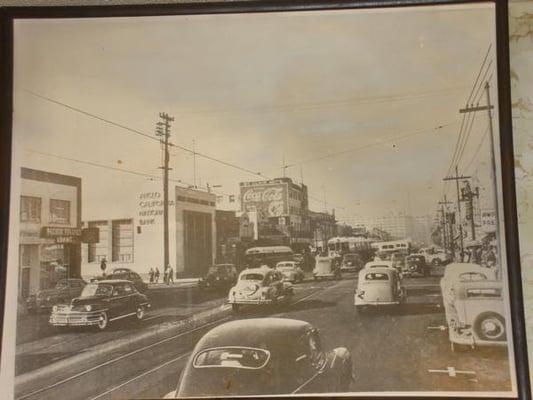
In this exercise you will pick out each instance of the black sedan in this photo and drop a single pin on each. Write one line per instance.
(263, 356)
(100, 303)
(219, 276)
(63, 292)
(128, 275)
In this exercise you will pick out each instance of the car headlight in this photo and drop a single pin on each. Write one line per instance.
(88, 308)
(54, 308)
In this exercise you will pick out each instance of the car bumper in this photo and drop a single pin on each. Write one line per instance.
(74, 318)
(467, 339)
(362, 302)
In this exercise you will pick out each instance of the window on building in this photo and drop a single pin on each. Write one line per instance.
(122, 241)
(59, 211)
(30, 209)
(98, 251)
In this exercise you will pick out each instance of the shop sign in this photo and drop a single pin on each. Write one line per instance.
(61, 234)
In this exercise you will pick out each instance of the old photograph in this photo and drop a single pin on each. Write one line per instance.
(258, 204)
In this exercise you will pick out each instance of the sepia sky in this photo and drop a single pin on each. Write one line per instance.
(254, 90)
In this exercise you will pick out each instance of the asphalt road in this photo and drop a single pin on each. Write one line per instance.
(392, 350)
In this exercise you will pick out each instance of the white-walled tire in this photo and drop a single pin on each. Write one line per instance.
(103, 321)
(140, 313)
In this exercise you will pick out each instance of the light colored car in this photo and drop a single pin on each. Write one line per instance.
(378, 286)
(326, 267)
(436, 256)
(461, 272)
(291, 271)
(257, 286)
(379, 264)
(475, 314)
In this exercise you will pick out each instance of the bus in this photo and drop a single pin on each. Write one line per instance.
(393, 246)
(267, 255)
(339, 246)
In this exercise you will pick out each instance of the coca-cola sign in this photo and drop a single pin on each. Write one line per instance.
(266, 200)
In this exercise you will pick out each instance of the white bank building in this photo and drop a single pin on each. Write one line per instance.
(133, 237)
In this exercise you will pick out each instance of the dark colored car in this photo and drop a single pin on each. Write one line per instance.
(100, 303)
(127, 275)
(351, 262)
(263, 356)
(416, 264)
(219, 276)
(64, 291)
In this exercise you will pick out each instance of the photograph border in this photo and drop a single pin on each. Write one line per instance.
(9, 14)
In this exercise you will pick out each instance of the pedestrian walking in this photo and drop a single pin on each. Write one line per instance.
(103, 266)
(170, 274)
(151, 273)
(156, 275)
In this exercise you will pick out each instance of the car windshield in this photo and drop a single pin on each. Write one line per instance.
(252, 277)
(285, 266)
(350, 257)
(376, 276)
(472, 276)
(484, 292)
(232, 357)
(95, 289)
(379, 266)
(214, 270)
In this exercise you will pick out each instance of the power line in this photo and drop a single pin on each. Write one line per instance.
(477, 149)
(479, 73)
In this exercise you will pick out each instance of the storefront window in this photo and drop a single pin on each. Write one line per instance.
(59, 211)
(30, 209)
(98, 251)
(123, 241)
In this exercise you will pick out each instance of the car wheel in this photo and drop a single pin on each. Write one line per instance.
(490, 326)
(436, 262)
(235, 307)
(103, 321)
(140, 313)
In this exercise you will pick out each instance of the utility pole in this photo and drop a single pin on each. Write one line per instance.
(194, 162)
(456, 178)
(467, 195)
(443, 211)
(489, 107)
(163, 131)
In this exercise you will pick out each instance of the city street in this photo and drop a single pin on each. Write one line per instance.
(392, 350)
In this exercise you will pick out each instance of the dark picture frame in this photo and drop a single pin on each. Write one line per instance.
(9, 15)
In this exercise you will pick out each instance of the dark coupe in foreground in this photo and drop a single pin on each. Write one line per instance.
(101, 302)
(263, 356)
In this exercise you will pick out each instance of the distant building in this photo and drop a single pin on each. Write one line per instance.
(228, 230)
(400, 226)
(282, 209)
(50, 229)
(323, 227)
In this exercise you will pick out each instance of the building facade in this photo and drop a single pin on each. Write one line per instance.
(50, 229)
(282, 208)
(135, 239)
(323, 228)
(400, 226)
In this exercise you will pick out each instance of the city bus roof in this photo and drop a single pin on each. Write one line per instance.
(268, 250)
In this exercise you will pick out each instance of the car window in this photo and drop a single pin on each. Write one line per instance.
(128, 289)
(473, 276)
(252, 277)
(484, 293)
(119, 290)
(377, 276)
(95, 289)
(232, 357)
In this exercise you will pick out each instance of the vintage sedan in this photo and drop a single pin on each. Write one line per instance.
(461, 272)
(351, 262)
(326, 267)
(128, 275)
(219, 276)
(263, 356)
(291, 271)
(416, 264)
(100, 303)
(257, 286)
(377, 287)
(378, 264)
(63, 292)
(475, 315)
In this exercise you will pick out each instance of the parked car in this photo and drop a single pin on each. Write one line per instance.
(128, 275)
(257, 286)
(416, 264)
(351, 262)
(219, 276)
(326, 267)
(475, 315)
(100, 303)
(263, 356)
(378, 286)
(63, 292)
(291, 271)
(461, 272)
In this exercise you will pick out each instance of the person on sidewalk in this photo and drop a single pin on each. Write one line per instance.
(156, 276)
(103, 266)
(151, 275)
(170, 274)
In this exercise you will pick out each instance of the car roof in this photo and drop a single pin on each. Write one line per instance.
(112, 281)
(371, 264)
(224, 265)
(455, 269)
(387, 270)
(260, 270)
(265, 333)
